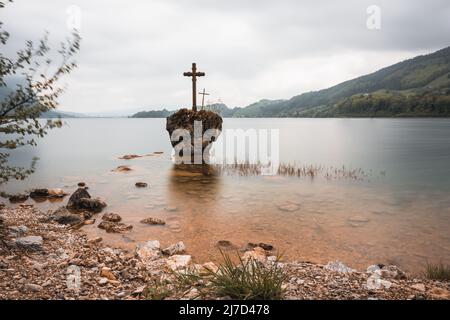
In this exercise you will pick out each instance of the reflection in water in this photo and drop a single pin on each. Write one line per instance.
(402, 217)
(194, 188)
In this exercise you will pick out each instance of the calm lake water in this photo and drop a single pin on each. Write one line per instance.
(397, 212)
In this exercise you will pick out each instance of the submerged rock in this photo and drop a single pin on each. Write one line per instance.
(39, 193)
(122, 169)
(130, 156)
(290, 207)
(111, 217)
(225, 244)
(358, 221)
(265, 246)
(48, 193)
(141, 185)
(18, 198)
(153, 221)
(114, 227)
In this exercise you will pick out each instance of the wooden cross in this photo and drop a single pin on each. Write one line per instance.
(194, 74)
(203, 98)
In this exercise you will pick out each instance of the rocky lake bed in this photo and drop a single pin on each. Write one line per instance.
(47, 255)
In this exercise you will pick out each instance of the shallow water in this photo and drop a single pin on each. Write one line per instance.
(398, 212)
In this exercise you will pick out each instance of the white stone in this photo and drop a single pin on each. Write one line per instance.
(191, 294)
(373, 268)
(148, 251)
(176, 248)
(374, 282)
(257, 254)
(56, 192)
(338, 266)
(177, 262)
(211, 266)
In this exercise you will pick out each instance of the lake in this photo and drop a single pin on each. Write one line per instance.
(395, 210)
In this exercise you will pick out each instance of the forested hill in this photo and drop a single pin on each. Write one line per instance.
(414, 87)
(152, 114)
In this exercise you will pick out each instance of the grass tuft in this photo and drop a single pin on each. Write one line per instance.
(248, 280)
(437, 271)
(157, 289)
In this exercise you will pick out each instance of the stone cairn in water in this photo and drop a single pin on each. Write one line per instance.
(195, 124)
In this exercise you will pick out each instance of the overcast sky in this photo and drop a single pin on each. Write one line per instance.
(133, 53)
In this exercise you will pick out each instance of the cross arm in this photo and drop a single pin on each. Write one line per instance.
(187, 74)
(200, 74)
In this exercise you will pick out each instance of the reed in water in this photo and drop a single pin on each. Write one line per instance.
(294, 170)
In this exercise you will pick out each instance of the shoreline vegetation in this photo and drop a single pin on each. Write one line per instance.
(46, 255)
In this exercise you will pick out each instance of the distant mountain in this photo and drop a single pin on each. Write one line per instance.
(415, 87)
(152, 114)
(61, 114)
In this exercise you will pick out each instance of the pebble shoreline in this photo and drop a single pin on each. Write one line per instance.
(42, 259)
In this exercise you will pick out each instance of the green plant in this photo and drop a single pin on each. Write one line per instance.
(187, 278)
(248, 280)
(30, 86)
(156, 289)
(437, 271)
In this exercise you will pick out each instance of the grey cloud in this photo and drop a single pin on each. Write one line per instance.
(133, 54)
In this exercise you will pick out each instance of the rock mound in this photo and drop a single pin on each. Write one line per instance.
(185, 119)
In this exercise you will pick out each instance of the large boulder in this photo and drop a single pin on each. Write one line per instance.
(81, 200)
(185, 119)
